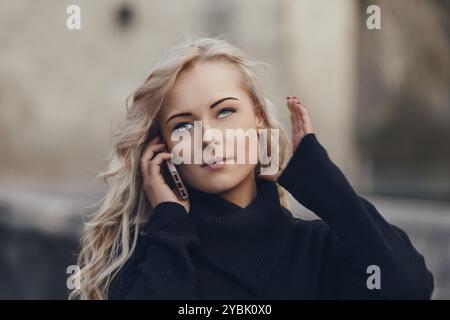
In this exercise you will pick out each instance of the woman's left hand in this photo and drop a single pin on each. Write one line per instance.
(300, 121)
(301, 126)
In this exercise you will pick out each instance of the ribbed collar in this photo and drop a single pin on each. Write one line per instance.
(244, 243)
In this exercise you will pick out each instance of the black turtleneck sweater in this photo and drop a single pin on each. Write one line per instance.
(222, 251)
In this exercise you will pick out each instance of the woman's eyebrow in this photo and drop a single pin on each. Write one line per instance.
(183, 114)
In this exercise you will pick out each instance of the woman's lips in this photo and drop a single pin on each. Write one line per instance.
(215, 163)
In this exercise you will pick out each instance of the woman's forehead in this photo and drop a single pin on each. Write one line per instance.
(205, 81)
(202, 85)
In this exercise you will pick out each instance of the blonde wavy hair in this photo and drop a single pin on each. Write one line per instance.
(111, 234)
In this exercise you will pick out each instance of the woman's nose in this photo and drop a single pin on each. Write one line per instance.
(211, 135)
(215, 141)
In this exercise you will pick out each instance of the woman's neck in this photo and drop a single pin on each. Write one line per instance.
(244, 193)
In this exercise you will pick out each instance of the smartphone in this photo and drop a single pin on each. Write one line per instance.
(170, 173)
(179, 185)
(172, 176)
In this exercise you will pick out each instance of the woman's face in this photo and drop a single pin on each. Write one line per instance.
(193, 98)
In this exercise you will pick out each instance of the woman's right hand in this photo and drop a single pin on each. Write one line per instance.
(155, 187)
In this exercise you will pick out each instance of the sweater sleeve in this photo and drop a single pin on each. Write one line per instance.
(361, 239)
(164, 270)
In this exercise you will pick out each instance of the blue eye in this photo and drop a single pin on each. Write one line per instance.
(182, 126)
(226, 112)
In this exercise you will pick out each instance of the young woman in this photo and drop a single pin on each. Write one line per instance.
(234, 237)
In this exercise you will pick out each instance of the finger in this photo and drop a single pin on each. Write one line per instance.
(292, 116)
(149, 153)
(289, 105)
(294, 113)
(296, 116)
(150, 150)
(307, 123)
(155, 164)
(297, 125)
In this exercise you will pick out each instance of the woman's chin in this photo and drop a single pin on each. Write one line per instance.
(217, 185)
(215, 182)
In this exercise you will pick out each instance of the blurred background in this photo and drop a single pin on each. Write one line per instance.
(379, 100)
